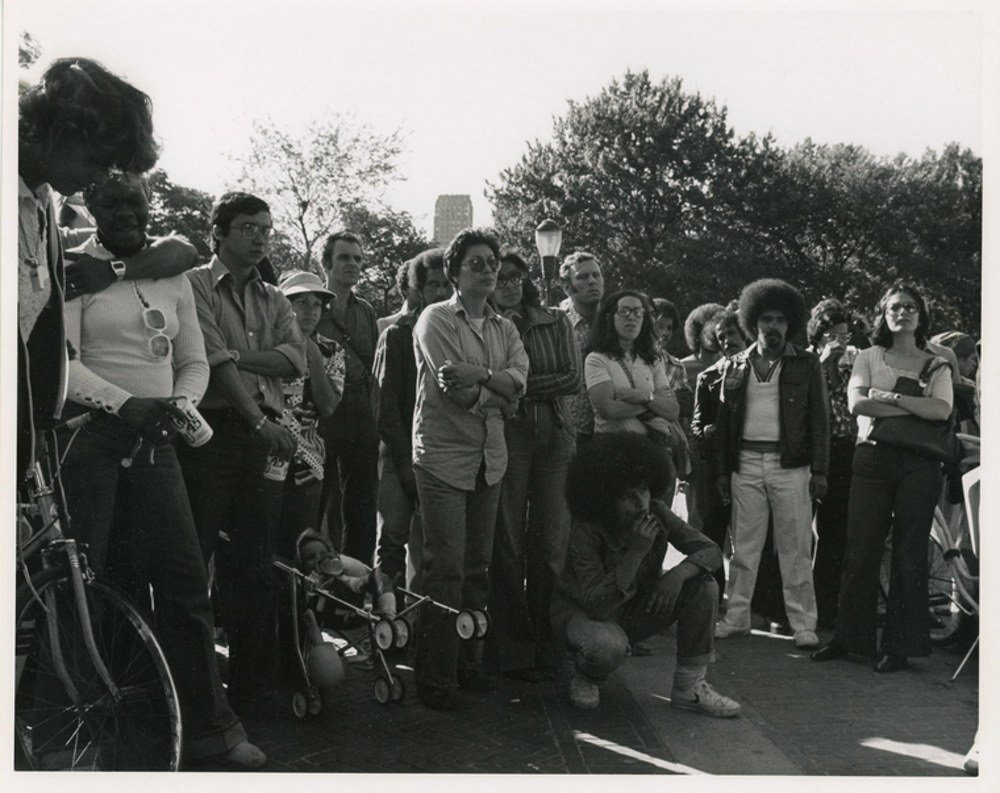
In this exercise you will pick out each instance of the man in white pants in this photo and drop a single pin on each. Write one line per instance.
(773, 440)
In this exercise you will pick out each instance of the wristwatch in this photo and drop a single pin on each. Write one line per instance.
(652, 396)
(235, 355)
(489, 374)
(118, 268)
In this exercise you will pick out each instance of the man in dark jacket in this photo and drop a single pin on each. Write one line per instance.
(395, 371)
(772, 435)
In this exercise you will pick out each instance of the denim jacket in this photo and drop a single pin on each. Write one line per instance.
(803, 413)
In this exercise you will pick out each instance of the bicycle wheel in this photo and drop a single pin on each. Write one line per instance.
(946, 616)
(140, 730)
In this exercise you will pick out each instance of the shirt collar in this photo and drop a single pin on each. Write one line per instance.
(575, 317)
(220, 271)
(456, 307)
(41, 194)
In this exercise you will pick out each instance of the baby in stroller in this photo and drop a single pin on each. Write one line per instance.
(343, 576)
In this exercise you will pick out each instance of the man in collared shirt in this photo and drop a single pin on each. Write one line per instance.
(583, 283)
(773, 441)
(350, 483)
(400, 533)
(470, 365)
(251, 341)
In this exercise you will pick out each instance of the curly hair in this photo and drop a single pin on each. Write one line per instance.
(464, 240)
(821, 321)
(229, 206)
(571, 261)
(728, 317)
(771, 294)
(79, 101)
(604, 338)
(338, 236)
(695, 324)
(602, 471)
(431, 259)
(529, 292)
(881, 335)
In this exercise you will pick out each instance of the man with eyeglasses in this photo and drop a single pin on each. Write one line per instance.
(350, 483)
(583, 283)
(252, 341)
(773, 440)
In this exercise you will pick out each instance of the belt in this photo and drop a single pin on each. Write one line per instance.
(760, 446)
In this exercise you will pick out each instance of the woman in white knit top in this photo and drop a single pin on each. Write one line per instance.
(138, 344)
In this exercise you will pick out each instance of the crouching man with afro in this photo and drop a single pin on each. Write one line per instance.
(613, 591)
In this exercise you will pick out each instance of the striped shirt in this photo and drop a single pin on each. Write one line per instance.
(556, 369)
(579, 403)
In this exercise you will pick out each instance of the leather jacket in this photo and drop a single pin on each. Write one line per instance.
(803, 413)
(706, 409)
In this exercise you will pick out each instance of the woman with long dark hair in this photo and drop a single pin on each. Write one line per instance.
(892, 487)
(625, 376)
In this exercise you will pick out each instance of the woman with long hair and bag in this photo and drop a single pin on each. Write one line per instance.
(902, 397)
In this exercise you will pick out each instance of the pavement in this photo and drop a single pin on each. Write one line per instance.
(798, 718)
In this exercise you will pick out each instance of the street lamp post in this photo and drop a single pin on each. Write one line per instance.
(548, 238)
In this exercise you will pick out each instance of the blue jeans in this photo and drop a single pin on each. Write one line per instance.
(139, 530)
(228, 493)
(532, 530)
(458, 543)
(598, 647)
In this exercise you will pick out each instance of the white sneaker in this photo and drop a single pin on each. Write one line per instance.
(705, 699)
(583, 693)
(723, 630)
(806, 640)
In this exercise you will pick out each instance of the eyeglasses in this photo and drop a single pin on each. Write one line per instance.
(478, 264)
(902, 308)
(251, 230)
(159, 342)
(516, 278)
(843, 338)
(625, 312)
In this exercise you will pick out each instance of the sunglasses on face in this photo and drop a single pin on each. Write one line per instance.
(478, 264)
(627, 312)
(159, 343)
(514, 279)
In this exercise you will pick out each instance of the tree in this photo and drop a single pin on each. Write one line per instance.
(28, 50)
(184, 210)
(311, 180)
(390, 238)
(653, 182)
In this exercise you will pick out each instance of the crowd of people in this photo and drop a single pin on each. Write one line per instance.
(476, 446)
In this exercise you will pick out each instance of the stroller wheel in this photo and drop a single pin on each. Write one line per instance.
(299, 705)
(398, 689)
(403, 631)
(385, 634)
(482, 623)
(465, 625)
(382, 691)
(315, 701)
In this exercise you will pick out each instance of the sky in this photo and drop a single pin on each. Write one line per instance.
(470, 83)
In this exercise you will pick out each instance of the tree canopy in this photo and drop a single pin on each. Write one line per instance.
(654, 182)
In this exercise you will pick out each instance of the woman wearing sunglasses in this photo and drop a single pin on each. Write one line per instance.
(892, 488)
(138, 347)
(529, 549)
(625, 376)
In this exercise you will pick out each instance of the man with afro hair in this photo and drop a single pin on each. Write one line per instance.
(613, 590)
(773, 435)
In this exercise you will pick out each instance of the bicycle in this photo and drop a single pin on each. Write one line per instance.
(93, 690)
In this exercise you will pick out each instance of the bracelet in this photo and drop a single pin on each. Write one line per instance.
(489, 376)
(258, 426)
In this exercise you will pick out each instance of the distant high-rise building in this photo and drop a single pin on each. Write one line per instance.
(452, 213)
